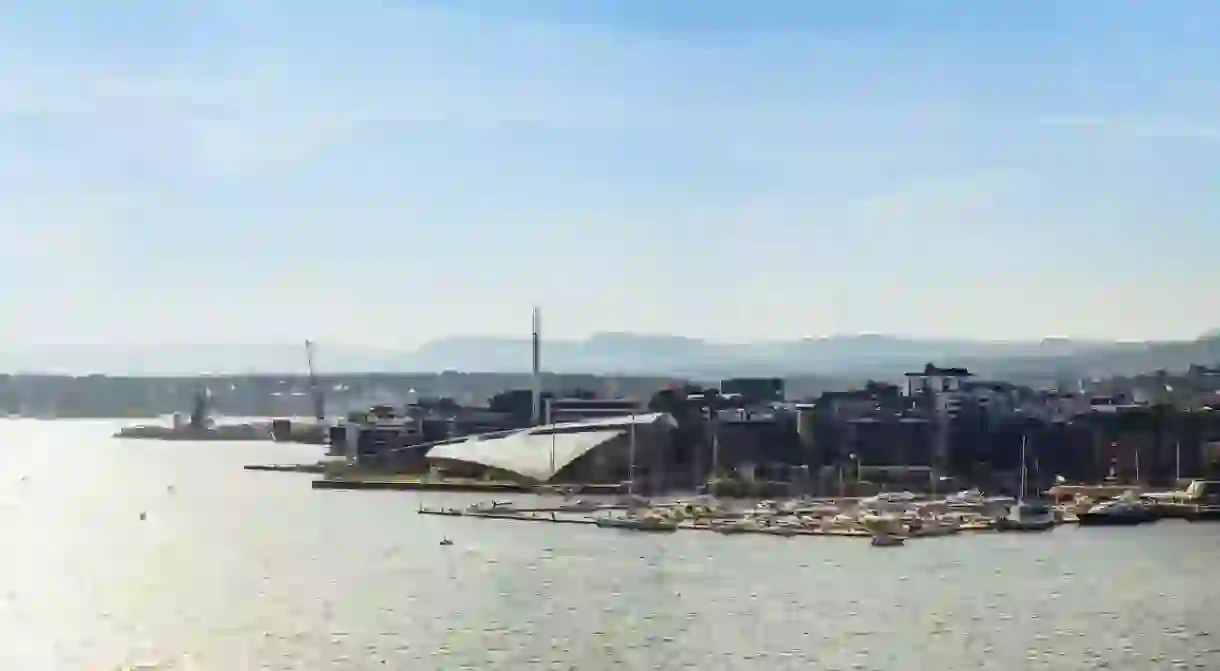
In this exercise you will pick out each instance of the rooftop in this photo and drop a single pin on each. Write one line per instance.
(540, 453)
(931, 370)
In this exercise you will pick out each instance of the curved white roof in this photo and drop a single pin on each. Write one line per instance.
(528, 452)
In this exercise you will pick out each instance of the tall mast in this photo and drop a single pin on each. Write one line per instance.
(536, 380)
(1021, 495)
(631, 452)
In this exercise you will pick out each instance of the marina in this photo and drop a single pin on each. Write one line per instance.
(886, 520)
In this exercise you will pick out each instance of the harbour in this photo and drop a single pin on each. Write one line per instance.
(318, 579)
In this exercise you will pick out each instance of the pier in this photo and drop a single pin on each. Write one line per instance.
(450, 484)
(287, 468)
(413, 483)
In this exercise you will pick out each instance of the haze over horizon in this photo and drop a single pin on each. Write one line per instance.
(390, 174)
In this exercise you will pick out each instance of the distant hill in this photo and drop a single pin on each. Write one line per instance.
(854, 357)
(862, 355)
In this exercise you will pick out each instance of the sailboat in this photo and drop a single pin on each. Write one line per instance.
(645, 521)
(1026, 515)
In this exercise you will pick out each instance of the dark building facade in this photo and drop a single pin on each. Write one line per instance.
(754, 390)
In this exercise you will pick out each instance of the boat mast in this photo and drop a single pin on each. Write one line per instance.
(1021, 494)
(715, 412)
(631, 456)
(1177, 463)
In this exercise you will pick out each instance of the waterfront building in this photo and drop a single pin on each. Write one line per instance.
(754, 390)
(574, 409)
(936, 381)
(596, 450)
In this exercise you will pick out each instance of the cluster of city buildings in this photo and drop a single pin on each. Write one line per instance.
(941, 422)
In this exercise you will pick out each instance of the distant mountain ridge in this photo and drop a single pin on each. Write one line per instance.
(628, 353)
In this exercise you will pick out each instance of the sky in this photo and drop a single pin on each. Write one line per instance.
(386, 173)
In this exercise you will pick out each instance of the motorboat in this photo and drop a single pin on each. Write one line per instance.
(734, 526)
(889, 502)
(883, 540)
(1113, 513)
(638, 523)
(1126, 510)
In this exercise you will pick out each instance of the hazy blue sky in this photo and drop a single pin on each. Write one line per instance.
(388, 172)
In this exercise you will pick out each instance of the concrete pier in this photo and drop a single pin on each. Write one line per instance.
(287, 468)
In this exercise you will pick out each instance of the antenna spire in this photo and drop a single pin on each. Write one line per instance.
(536, 367)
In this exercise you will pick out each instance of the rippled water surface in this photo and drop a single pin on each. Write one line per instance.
(246, 570)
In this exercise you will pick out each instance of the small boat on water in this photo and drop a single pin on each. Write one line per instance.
(1123, 511)
(1113, 516)
(883, 540)
(734, 526)
(1027, 516)
(637, 523)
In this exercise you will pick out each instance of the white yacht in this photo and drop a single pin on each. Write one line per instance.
(1027, 516)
